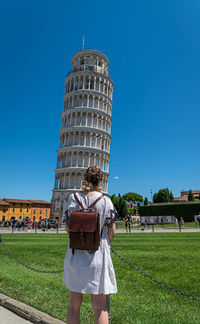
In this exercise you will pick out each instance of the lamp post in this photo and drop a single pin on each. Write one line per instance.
(151, 195)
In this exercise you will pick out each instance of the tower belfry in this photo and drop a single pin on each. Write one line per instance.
(85, 126)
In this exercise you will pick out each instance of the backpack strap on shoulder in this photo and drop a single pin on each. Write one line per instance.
(79, 202)
(94, 203)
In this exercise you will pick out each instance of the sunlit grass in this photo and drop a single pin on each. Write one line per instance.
(172, 257)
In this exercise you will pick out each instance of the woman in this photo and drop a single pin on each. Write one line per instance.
(88, 272)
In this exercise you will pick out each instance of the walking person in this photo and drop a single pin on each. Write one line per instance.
(22, 224)
(130, 220)
(182, 222)
(87, 271)
(126, 220)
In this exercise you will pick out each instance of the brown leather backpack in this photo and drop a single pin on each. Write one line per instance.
(84, 227)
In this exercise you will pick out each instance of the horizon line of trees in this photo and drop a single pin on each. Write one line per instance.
(133, 198)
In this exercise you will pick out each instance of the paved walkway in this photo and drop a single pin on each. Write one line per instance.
(8, 317)
(119, 230)
(160, 230)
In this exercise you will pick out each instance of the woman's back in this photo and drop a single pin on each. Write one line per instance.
(93, 273)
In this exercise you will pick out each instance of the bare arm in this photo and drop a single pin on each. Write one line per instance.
(67, 226)
(111, 231)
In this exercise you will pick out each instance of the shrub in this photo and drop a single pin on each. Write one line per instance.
(185, 210)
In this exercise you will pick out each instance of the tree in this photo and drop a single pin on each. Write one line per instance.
(171, 196)
(132, 211)
(190, 196)
(163, 195)
(120, 205)
(146, 202)
(132, 197)
(122, 208)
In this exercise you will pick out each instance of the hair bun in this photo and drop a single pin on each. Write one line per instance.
(93, 175)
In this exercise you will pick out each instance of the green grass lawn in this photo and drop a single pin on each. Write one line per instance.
(171, 257)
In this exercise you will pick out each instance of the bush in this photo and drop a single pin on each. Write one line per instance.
(185, 210)
(132, 211)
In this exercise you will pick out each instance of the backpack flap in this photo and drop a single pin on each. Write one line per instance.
(83, 222)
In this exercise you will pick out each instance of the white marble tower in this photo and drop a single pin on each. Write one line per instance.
(85, 126)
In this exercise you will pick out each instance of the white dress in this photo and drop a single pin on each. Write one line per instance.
(86, 271)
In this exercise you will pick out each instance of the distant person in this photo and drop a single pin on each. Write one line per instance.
(46, 224)
(39, 224)
(22, 224)
(182, 222)
(130, 220)
(125, 219)
(12, 224)
(176, 221)
(30, 223)
(16, 225)
(43, 225)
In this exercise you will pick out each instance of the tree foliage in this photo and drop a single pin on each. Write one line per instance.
(146, 202)
(132, 211)
(190, 196)
(120, 205)
(132, 197)
(163, 195)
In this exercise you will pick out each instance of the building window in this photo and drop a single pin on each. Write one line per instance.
(21, 204)
(4, 211)
(27, 210)
(20, 210)
(40, 211)
(13, 209)
(34, 211)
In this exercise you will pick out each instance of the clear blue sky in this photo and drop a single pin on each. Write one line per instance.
(154, 52)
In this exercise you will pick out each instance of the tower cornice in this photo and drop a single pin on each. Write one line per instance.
(90, 52)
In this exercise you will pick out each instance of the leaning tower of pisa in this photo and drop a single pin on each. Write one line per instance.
(85, 126)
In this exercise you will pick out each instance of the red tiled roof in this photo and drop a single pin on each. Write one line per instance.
(129, 204)
(183, 198)
(2, 202)
(29, 201)
(8, 201)
(11, 200)
(40, 202)
(195, 192)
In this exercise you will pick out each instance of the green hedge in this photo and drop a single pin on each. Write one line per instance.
(185, 210)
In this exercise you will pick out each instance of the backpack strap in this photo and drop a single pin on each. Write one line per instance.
(79, 202)
(94, 203)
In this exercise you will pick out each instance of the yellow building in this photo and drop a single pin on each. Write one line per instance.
(20, 208)
(4, 210)
(40, 209)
